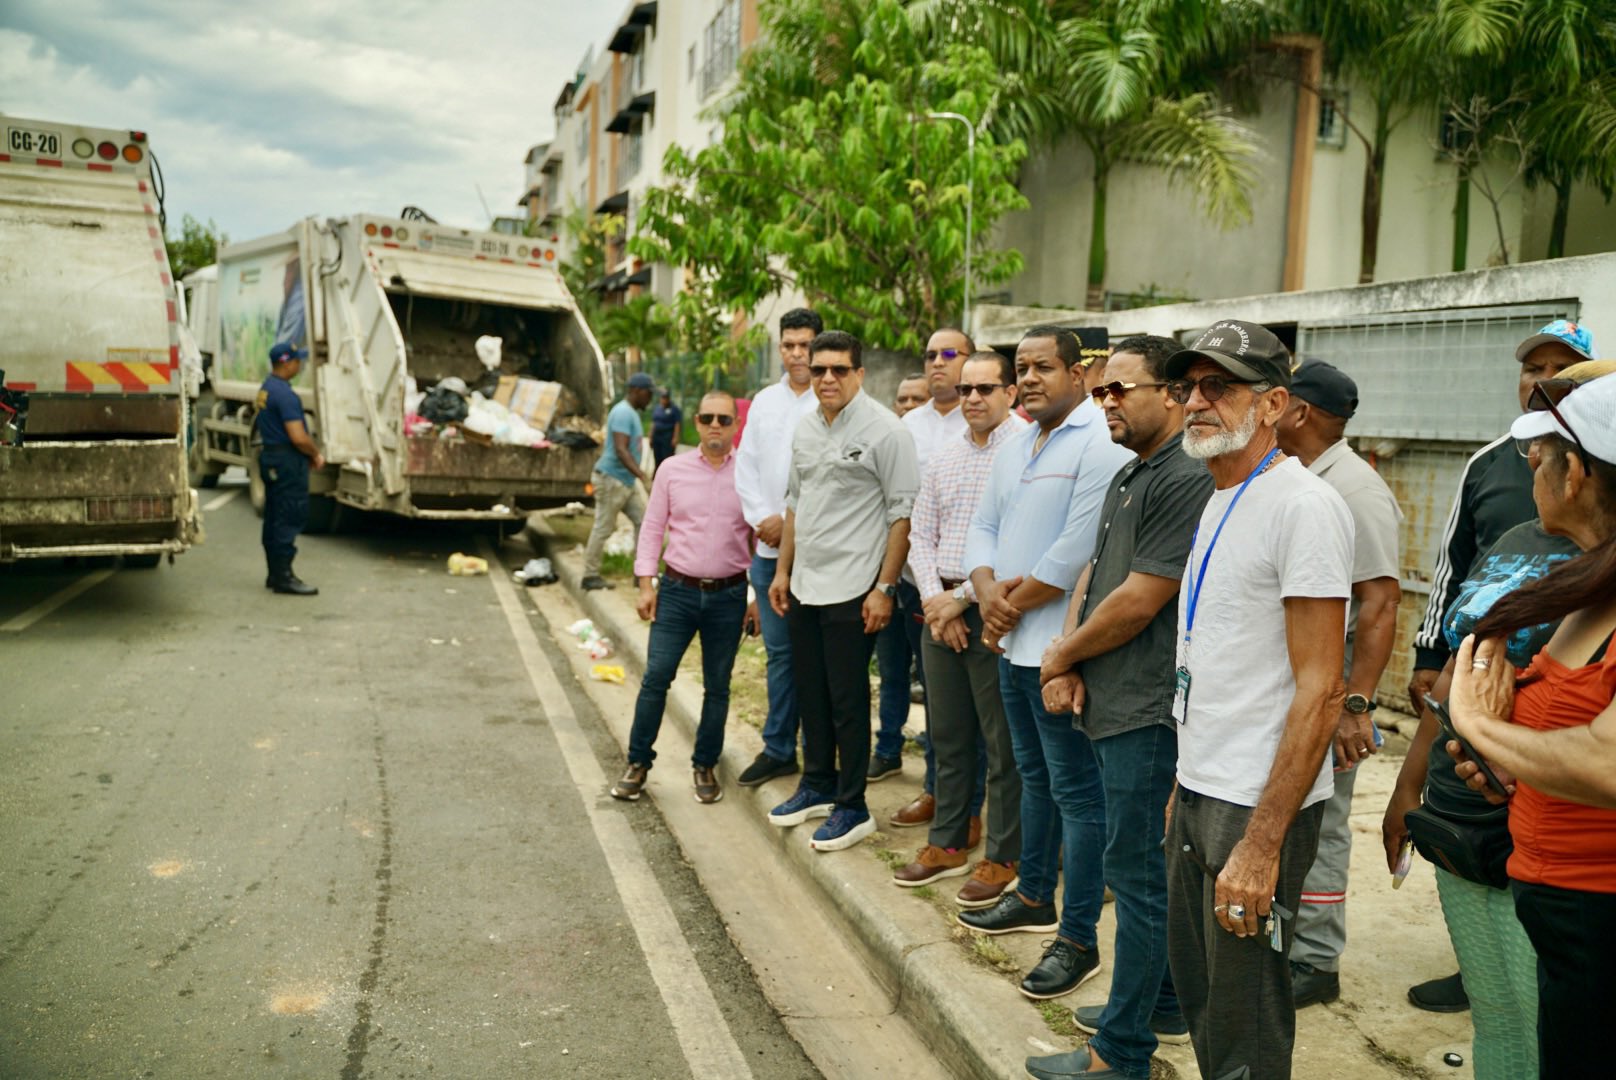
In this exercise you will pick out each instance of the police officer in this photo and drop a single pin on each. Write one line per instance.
(285, 453)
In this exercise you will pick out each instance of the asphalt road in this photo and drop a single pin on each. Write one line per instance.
(255, 835)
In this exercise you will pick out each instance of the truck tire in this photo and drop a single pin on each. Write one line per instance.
(324, 514)
(208, 480)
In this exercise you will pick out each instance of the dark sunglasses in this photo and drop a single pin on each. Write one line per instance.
(946, 354)
(819, 371)
(1545, 400)
(721, 419)
(1119, 390)
(1212, 388)
(983, 388)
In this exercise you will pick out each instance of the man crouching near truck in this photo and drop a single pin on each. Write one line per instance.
(285, 454)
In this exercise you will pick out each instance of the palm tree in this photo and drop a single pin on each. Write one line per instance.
(642, 323)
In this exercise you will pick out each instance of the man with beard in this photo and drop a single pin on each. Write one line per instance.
(1257, 692)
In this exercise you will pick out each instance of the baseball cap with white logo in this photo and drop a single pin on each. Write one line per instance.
(1243, 349)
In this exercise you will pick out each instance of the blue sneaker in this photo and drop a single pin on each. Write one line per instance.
(800, 807)
(844, 829)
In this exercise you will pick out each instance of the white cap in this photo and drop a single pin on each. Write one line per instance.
(1589, 410)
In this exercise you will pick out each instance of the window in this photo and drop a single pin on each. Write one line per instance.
(1334, 107)
(690, 65)
(722, 46)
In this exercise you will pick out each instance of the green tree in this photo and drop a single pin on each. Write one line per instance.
(197, 246)
(591, 236)
(641, 323)
(827, 177)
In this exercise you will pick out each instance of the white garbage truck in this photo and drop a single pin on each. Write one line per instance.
(93, 400)
(391, 311)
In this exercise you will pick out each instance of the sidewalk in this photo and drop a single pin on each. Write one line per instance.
(959, 989)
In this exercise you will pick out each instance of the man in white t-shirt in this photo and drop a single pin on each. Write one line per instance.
(1262, 616)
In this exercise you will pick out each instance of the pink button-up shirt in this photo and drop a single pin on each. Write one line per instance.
(695, 507)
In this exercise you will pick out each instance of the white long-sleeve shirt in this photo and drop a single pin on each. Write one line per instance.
(763, 462)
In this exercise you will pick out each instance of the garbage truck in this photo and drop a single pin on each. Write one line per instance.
(410, 414)
(93, 402)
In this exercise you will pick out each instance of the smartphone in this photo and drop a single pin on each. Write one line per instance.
(1440, 711)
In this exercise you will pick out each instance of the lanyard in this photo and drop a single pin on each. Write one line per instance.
(1195, 592)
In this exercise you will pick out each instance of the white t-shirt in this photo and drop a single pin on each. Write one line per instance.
(1290, 535)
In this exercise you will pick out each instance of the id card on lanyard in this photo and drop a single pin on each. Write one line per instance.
(1181, 677)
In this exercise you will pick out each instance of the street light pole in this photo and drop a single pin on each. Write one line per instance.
(970, 193)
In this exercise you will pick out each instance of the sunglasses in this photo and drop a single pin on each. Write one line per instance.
(1119, 390)
(1546, 398)
(819, 371)
(946, 354)
(719, 418)
(985, 389)
(1212, 388)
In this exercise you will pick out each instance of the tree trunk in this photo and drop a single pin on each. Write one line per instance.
(1095, 300)
(1562, 215)
(1374, 176)
(1461, 220)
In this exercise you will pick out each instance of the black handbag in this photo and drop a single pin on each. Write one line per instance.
(1475, 848)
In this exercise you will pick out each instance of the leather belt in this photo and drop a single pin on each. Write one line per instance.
(704, 584)
(950, 584)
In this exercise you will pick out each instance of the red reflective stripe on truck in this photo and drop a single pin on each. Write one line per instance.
(173, 357)
(171, 315)
(131, 382)
(52, 162)
(143, 188)
(20, 385)
(5, 157)
(98, 166)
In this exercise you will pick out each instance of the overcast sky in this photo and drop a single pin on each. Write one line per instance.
(264, 114)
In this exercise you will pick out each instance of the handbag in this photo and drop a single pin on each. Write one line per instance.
(1476, 849)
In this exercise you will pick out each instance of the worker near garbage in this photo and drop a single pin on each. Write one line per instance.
(286, 452)
(616, 472)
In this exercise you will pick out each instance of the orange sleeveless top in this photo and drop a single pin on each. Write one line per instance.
(1557, 842)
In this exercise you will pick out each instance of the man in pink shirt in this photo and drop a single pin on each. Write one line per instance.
(703, 591)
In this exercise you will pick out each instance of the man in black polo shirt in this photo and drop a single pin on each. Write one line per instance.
(1113, 670)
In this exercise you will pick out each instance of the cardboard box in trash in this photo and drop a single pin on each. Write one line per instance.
(532, 399)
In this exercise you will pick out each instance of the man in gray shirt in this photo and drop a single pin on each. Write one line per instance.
(852, 484)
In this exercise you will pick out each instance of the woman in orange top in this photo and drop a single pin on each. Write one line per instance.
(1549, 732)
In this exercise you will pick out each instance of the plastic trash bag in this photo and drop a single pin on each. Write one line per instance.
(612, 673)
(462, 565)
(536, 572)
(488, 348)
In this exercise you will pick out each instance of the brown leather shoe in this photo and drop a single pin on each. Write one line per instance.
(633, 782)
(989, 880)
(707, 789)
(932, 863)
(919, 812)
(975, 837)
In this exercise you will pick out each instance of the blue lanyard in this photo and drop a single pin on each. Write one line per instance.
(1195, 593)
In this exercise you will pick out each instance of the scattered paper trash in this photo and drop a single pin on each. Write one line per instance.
(612, 673)
(600, 648)
(462, 565)
(590, 639)
(536, 572)
(581, 629)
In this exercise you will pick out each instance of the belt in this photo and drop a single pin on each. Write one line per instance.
(705, 584)
(950, 584)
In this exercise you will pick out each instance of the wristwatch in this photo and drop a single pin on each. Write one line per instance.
(891, 591)
(1358, 704)
(959, 594)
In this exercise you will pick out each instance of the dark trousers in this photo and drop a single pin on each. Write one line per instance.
(830, 658)
(286, 502)
(1235, 992)
(682, 612)
(971, 741)
(1136, 769)
(1574, 933)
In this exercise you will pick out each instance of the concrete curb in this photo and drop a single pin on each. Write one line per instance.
(975, 1021)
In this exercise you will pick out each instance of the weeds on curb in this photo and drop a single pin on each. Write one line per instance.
(1058, 1018)
(923, 892)
(893, 860)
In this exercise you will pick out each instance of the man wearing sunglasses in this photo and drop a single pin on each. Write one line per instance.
(848, 498)
(1257, 693)
(702, 590)
(1031, 536)
(1494, 496)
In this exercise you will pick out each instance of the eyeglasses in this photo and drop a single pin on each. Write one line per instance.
(947, 354)
(819, 371)
(1120, 389)
(721, 419)
(1541, 400)
(1212, 387)
(985, 389)
(1547, 393)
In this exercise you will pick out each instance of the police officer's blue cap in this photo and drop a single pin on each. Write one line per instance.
(279, 354)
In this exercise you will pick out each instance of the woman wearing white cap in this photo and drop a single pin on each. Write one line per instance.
(1548, 732)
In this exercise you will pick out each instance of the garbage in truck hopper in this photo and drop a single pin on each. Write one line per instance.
(503, 409)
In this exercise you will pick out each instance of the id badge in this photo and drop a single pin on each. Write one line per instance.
(1181, 694)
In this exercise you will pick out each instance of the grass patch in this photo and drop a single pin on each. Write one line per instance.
(923, 892)
(1058, 1018)
(983, 951)
(892, 858)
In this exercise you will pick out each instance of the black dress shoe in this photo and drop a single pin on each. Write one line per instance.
(1440, 995)
(763, 768)
(1011, 914)
(1063, 969)
(1311, 986)
(595, 581)
(292, 585)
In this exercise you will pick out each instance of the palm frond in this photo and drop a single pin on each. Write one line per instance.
(1199, 145)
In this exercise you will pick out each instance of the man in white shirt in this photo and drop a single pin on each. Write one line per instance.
(761, 467)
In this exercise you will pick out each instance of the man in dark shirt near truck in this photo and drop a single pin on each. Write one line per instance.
(286, 452)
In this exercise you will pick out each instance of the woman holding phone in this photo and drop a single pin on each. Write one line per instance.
(1549, 730)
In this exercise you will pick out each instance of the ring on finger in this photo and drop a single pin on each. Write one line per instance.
(1237, 911)
(1220, 908)
(1480, 664)
(1363, 749)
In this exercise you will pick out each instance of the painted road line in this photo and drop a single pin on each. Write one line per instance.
(51, 603)
(703, 1035)
(219, 500)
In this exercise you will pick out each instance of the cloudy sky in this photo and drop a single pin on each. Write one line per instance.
(261, 114)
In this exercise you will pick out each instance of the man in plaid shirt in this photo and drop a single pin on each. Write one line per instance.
(962, 674)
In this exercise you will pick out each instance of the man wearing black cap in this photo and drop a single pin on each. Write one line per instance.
(1323, 399)
(1257, 694)
(285, 453)
(615, 474)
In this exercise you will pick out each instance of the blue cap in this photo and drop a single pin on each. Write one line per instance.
(1567, 333)
(282, 352)
(641, 380)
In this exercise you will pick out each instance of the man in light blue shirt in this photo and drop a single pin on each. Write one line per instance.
(616, 473)
(1033, 534)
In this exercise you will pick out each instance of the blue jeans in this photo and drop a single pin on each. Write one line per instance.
(780, 728)
(896, 648)
(682, 612)
(1137, 770)
(1062, 805)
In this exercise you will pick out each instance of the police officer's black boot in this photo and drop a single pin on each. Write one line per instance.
(289, 583)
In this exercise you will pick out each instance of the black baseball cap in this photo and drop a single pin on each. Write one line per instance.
(1244, 349)
(1326, 387)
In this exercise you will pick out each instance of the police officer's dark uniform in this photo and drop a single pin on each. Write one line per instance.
(285, 470)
